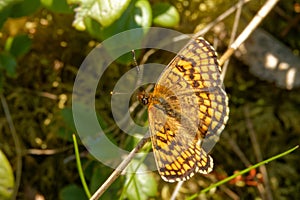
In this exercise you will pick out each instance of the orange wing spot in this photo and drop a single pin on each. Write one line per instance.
(184, 156)
(203, 95)
(219, 98)
(214, 105)
(218, 115)
(166, 173)
(203, 109)
(186, 167)
(187, 65)
(207, 84)
(177, 164)
(168, 167)
(215, 76)
(174, 166)
(214, 124)
(220, 108)
(173, 173)
(210, 111)
(188, 153)
(181, 160)
(206, 102)
(207, 120)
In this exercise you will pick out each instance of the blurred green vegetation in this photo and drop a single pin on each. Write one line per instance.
(42, 45)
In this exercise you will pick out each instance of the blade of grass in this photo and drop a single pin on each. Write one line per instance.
(80, 171)
(242, 172)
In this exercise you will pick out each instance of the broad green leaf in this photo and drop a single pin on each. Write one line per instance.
(104, 12)
(59, 6)
(67, 115)
(24, 8)
(72, 192)
(6, 178)
(18, 45)
(165, 15)
(141, 185)
(4, 14)
(6, 3)
(68, 128)
(137, 15)
(99, 176)
(8, 63)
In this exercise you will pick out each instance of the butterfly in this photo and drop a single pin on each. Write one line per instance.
(187, 107)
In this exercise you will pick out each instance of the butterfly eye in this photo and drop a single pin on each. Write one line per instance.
(145, 100)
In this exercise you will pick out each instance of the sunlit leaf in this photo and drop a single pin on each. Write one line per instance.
(18, 45)
(137, 15)
(6, 178)
(141, 185)
(165, 15)
(104, 12)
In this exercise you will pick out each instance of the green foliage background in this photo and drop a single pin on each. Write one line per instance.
(43, 43)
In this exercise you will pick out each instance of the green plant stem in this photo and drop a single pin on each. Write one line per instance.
(78, 162)
(242, 172)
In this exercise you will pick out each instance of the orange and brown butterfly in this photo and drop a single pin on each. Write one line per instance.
(187, 106)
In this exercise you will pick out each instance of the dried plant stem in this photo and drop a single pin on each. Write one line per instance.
(220, 18)
(17, 145)
(233, 34)
(261, 14)
(235, 147)
(176, 190)
(265, 192)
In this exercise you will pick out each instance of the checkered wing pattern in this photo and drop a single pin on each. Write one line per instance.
(188, 105)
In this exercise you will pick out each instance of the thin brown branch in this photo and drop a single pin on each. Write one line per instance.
(221, 18)
(48, 151)
(176, 190)
(233, 34)
(266, 191)
(235, 147)
(261, 14)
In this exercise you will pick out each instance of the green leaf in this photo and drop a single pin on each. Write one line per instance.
(4, 14)
(72, 192)
(7, 3)
(104, 12)
(6, 178)
(67, 115)
(8, 63)
(165, 15)
(99, 176)
(18, 45)
(58, 6)
(65, 132)
(24, 8)
(137, 15)
(140, 185)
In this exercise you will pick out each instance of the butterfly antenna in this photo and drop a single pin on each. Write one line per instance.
(139, 70)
